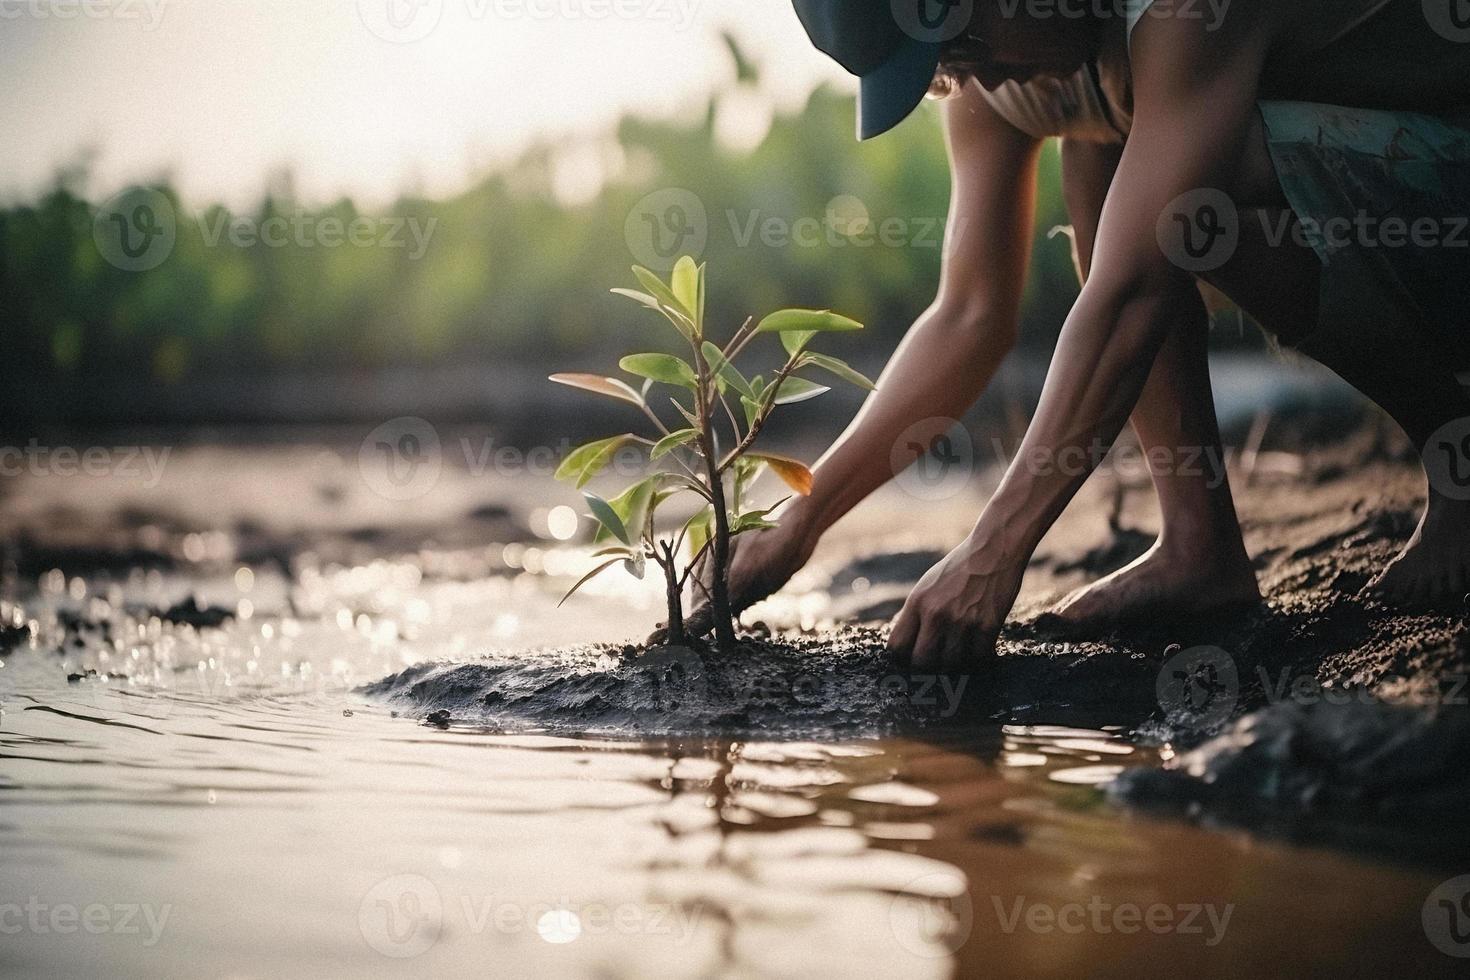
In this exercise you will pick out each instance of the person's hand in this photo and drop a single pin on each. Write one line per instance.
(760, 563)
(953, 617)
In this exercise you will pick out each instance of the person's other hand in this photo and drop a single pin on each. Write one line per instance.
(953, 616)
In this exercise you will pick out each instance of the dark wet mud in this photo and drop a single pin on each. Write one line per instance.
(1318, 522)
(1316, 715)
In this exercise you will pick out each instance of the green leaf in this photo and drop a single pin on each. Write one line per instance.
(672, 441)
(597, 384)
(746, 469)
(660, 367)
(839, 368)
(755, 403)
(608, 518)
(753, 520)
(793, 390)
(811, 321)
(698, 530)
(795, 340)
(636, 565)
(659, 290)
(589, 577)
(684, 284)
(725, 370)
(631, 507)
(585, 462)
(638, 297)
(666, 303)
(699, 309)
(752, 409)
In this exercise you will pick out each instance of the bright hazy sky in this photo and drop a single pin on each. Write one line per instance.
(220, 93)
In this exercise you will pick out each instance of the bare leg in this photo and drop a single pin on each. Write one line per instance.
(1387, 361)
(1421, 393)
(1199, 561)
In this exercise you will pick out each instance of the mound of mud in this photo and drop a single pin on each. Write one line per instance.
(838, 684)
(804, 689)
(1345, 771)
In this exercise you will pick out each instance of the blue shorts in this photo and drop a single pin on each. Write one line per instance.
(1383, 198)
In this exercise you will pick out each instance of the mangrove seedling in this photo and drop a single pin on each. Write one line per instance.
(707, 449)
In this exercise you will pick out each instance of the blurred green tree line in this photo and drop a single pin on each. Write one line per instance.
(509, 270)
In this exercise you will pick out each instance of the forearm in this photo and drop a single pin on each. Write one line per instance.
(939, 370)
(1102, 363)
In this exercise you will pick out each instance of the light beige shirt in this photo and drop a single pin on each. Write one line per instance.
(1075, 107)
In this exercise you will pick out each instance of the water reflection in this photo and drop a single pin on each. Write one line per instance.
(225, 781)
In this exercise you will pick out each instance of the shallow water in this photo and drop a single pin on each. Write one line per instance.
(234, 801)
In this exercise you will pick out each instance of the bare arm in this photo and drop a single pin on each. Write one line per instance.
(1195, 94)
(953, 350)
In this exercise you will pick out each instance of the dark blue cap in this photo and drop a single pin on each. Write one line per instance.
(892, 46)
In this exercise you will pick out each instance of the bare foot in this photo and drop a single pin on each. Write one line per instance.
(1435, 565)
(760, 563)
(1163, 583)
